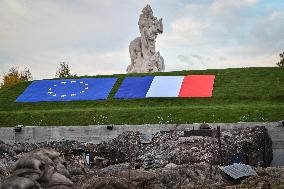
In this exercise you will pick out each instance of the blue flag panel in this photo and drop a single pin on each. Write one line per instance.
(68, 90)
(134, 87)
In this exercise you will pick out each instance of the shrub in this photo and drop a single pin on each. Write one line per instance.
(14, 76)
(281, 62)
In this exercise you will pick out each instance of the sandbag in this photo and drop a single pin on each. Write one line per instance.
(38, 169)
(15, 182)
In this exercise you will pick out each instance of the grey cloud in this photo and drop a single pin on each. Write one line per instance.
(221, 58)
(185, 59)
(191, 59)
(196, 56)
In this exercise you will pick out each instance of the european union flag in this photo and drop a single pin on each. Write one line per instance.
(68, 90)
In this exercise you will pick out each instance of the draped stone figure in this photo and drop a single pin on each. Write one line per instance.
(142, 50)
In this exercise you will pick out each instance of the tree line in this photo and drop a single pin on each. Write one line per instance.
(14, 75)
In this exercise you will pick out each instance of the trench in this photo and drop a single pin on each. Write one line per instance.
(99, 133)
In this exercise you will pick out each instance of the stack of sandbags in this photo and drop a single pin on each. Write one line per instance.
(41, 168)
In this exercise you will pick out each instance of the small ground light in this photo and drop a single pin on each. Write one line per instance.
(110, 127)
(281, 123)
(18, 128)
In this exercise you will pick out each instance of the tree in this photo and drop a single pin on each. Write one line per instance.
(281, 63)
(26, 75)
(14, 76)
(64, 71)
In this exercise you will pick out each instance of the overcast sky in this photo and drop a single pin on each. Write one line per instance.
(93, 35)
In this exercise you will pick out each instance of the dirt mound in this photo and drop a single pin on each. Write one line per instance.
(251, 146)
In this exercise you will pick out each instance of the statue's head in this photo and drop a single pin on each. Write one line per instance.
(147, 11)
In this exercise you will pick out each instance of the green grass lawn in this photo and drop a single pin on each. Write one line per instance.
(240, 94)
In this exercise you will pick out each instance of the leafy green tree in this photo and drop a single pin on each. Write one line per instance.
(281, 62)
(14, 76)
(64, 71)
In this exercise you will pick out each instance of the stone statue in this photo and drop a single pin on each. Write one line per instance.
(143, 55)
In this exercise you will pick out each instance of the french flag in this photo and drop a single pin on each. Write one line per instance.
(166, 86)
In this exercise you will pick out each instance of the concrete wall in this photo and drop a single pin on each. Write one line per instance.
(98, 133)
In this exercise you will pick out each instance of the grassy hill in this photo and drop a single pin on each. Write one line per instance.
(240, 94)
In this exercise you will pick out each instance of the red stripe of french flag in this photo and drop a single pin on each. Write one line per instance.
(197, 86)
